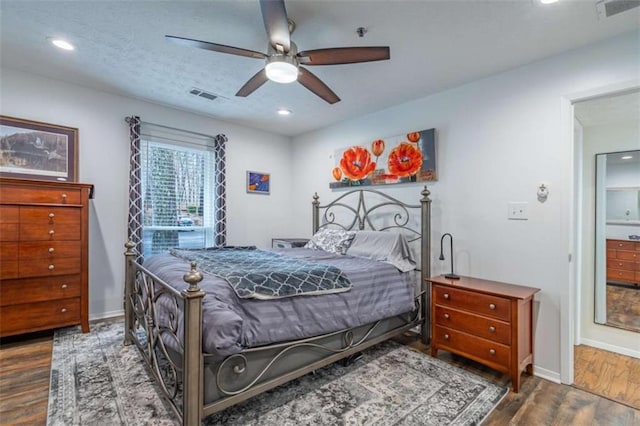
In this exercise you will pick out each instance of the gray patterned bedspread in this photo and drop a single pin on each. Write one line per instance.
(266, 275)
(232, 324)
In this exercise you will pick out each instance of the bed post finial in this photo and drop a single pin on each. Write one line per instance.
(425, 193)
(193, 277)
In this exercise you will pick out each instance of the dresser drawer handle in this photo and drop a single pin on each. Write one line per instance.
(63, 310)
(492, 351)
(51, 232)
(51, 250)
(63, 286)
(51, 215)
(492, 329)
(64, 197)
(446, 316)
(619, 244)
(446, 295)
(51, 267)
(492, 306)
(446, 337)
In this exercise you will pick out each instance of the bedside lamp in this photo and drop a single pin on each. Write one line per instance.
(451, 275)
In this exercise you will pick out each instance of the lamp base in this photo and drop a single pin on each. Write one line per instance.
(452, 276)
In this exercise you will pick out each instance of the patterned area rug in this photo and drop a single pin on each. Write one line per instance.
(97, 380)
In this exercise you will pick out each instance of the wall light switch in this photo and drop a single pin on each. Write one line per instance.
(517, 211)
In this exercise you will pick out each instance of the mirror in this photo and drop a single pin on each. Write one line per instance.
(617, 253)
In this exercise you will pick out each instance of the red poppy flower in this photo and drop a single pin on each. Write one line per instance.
(377, 147)
(413, 136)
(356, 163)
(405, 160)
(337, 173)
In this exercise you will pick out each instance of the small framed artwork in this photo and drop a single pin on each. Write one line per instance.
(35, 150)
(258, 183)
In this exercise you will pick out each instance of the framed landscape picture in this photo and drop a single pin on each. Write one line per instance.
(35, 150)
(258, 182)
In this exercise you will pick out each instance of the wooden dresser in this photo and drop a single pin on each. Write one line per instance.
(487, 321)
(44, 255)
(623, 261)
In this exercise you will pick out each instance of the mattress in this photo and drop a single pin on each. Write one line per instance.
(230, 324)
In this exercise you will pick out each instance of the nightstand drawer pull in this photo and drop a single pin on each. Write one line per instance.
(446, 295)
(492, 306)
(51, 250)
(492, 329)
(64, 197)
(63, 286)
(446, 316)
(492, 351)
(446, 337)
(51, 267)
(51, 232)
(51, 215)
(63, 310)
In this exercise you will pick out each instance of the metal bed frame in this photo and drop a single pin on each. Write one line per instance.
(196, 385)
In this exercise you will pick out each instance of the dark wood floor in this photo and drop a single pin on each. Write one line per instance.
(623, 307)
(25, 366)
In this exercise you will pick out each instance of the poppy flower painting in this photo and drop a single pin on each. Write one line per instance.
(409, 157)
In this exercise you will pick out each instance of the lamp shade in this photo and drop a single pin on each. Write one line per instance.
(281, 70)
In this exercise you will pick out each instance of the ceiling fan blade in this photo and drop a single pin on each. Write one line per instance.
(253, 84)
(313, 83)
(344, 55)
(215, 47)
(276, 23)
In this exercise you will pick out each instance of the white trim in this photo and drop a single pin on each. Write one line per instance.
(600, 281)
(611, 348)
(552, 376)
(105, 315)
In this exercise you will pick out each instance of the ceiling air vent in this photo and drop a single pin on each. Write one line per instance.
(199, 92)
(608, 8)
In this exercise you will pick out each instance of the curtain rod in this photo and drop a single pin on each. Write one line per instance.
(128, 119)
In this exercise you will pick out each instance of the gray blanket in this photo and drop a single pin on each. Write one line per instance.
(267, 275)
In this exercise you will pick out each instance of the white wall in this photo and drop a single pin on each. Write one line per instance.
(598, 140)
(498, 139)
(104, 162)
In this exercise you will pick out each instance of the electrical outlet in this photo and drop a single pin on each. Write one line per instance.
(517, 210)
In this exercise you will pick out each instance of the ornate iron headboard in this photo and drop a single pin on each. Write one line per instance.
(378, 211)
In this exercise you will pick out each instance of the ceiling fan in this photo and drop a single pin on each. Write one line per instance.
(283, 60)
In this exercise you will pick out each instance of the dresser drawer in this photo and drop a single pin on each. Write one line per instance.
(16, 319)
(488, 328)
(491, 353)
(26, 290)
(31, 232)
(49, 250)
(49, 216)
(621, 245)
(625, 265)
(9, 219)
(483, 304)
(632, 256)
(46, 268)
(620, 275)
(19, 194)
(8, 260)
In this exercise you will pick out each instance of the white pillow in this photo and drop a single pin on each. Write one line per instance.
(331, 240)
(384, 246)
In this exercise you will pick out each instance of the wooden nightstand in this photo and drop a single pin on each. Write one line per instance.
(486, 321)
(288, 242)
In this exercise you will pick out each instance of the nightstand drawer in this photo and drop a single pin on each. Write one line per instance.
(491, 353)
(483, 304)
(288, 242)
(488, 328)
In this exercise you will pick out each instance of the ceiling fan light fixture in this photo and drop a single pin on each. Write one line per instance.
(282, 69)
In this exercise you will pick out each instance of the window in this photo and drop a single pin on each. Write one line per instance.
(178, 179)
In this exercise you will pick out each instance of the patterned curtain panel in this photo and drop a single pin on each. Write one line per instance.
(135, 187)
(220, 223)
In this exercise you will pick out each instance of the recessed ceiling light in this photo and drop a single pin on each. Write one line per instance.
(284, 111)
(627, 157)
(62, 44)
(548, 1)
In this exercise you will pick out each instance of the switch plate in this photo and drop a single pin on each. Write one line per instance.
(517, 210)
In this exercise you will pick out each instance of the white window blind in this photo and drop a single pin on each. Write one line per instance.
(177, 173)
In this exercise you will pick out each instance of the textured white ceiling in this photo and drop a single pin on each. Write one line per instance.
(434, 45)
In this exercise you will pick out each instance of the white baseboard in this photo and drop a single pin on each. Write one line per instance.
(543, 373)
(611, 348)
(104, 315)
